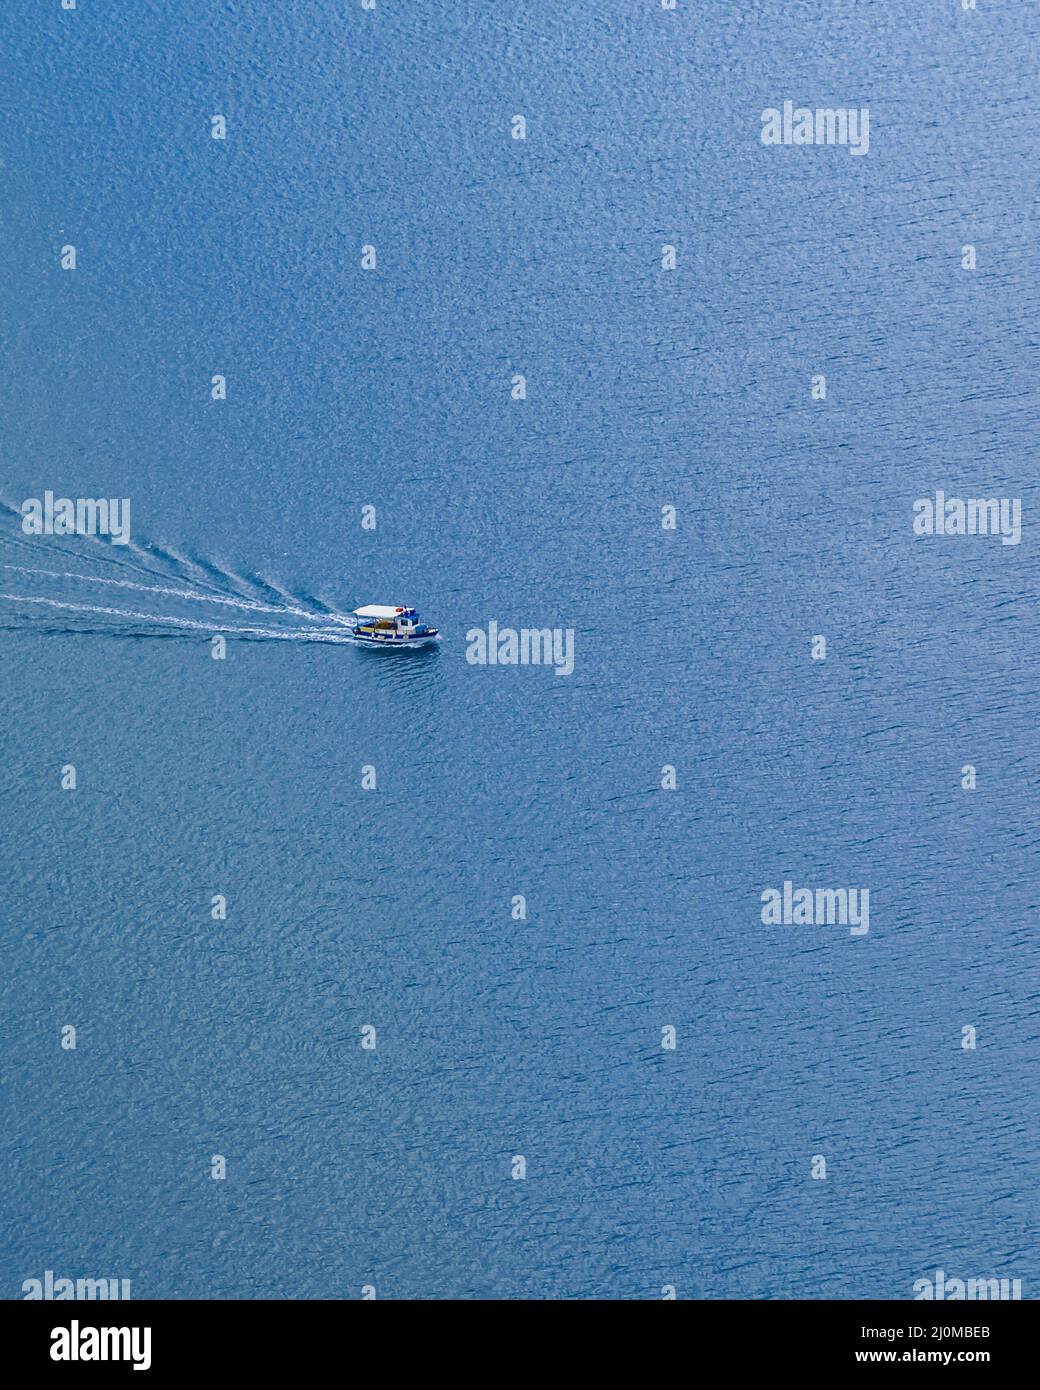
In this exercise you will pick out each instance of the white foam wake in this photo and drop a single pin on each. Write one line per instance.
(229, 602)
(308, 634)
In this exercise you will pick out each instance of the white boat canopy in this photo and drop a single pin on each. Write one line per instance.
(376, 610)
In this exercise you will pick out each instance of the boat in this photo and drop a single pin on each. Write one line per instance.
(378, 626)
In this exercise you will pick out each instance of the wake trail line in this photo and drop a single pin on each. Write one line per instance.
(247, 604)
(306, 634)
(102, 556)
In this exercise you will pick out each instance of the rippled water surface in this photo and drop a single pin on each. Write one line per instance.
(495, 1037)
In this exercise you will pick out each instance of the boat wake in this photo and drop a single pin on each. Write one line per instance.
(168, 595)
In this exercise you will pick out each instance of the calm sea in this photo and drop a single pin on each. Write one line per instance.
(508, 1032)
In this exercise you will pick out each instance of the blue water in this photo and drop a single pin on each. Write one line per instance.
(393, 907)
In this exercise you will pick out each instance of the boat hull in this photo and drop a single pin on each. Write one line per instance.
(396, 639)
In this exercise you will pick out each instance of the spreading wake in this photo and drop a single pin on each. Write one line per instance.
(81, 584)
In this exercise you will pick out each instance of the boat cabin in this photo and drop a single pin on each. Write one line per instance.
(377, 618)
(376, 623)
